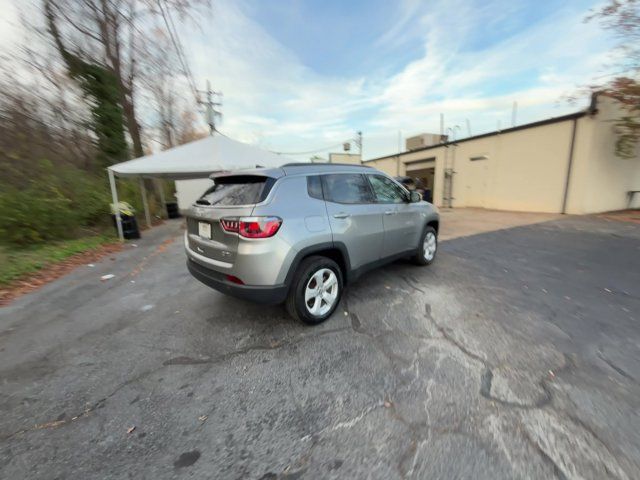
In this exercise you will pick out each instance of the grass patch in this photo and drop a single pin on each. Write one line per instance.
(16, 262)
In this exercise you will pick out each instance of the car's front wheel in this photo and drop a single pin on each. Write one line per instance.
(315, 291)
(427, 248)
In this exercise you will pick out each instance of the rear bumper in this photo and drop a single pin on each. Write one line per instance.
(270, 295)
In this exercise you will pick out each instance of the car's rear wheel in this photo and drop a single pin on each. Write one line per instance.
(315, 291)
(427, 248)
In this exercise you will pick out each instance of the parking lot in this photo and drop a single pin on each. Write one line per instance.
(515, 355)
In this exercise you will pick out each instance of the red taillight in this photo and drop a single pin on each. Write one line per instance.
(229, 224)
(234, 279)
(252, 227)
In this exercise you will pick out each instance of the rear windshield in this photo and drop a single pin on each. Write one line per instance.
(237, 190)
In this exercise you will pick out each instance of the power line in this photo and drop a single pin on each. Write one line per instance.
(184, 56)
(309, 151)
(293, 153)
(357, 140)
(179, 51)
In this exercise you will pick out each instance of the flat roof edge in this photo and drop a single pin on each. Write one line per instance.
(539, 123)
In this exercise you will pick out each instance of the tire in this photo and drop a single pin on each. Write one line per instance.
(301, 301)
(427, 248)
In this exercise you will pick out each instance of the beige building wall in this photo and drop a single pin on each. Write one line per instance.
(352, 158)
(526, 169)
(523, 171)
(388, 165)
(396, 165)
(600, 180)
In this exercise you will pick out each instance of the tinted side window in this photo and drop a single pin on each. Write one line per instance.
(346, 188)
(237, 190)
(386, 190)
(314, 187)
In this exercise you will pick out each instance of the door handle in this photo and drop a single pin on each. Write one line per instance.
(390, 212)
(341, 215)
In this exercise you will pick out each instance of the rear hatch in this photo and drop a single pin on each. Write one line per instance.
(230, 197)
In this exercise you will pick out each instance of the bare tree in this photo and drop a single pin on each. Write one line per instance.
(622, 17)
(159, 78)
(188, 129)
(115, 34)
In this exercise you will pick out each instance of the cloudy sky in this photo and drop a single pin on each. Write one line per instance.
(300, 75)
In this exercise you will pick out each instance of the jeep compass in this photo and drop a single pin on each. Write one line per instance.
(299, 233)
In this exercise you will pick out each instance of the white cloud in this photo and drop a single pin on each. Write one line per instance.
(273, 98)
(269, 95)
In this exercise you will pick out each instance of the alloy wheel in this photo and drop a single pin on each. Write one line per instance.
(321, 292)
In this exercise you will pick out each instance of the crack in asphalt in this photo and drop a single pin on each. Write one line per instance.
(612, 365)
(411, 283)
(182, 360)
(257, 347)
(416, 433)
(486, 378)
(446, 335)
(558, 472)
(295, 402)
(421, 433)
(84, 414)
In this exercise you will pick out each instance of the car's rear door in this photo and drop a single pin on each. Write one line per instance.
(230, 197)
(402, 220)
(356, 221)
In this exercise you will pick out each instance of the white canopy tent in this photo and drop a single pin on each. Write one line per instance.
(197, 159)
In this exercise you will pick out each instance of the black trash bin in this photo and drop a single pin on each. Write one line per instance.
(130, 230)
(172, 210)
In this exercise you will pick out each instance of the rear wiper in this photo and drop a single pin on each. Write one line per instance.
(202, 201)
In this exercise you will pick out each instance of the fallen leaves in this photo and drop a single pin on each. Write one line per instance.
(142, 264)
(34, 281)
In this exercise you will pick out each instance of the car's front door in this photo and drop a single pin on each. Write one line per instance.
(356, 221)
(401, 219)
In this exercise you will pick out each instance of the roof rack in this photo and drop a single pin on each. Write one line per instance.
(309, 164)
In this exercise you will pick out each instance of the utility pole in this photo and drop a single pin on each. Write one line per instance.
(210, 104)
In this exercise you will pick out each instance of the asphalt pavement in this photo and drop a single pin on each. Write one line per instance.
(515, 355)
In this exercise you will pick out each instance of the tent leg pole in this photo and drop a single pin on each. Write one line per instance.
(114, 197)
(160, 188)
(143, 191)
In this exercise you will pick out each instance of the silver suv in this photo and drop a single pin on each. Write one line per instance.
(299, 233)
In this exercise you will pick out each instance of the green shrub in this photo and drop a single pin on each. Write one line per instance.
(89, 195)
(36, 214)
(56, 204)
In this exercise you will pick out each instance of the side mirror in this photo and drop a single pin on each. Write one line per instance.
(415, 197)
